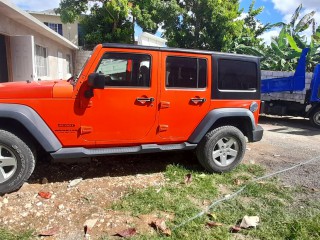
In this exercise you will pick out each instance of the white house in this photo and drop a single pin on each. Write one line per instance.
(30, 50)
(53, 21)
(148, 39)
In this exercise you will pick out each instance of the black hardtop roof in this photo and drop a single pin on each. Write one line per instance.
(168, 49)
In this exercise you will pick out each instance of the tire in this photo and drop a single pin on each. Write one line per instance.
(17, 162)
(315, 117)
(221, 149)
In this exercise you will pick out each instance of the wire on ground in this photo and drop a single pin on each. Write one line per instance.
(228, 197)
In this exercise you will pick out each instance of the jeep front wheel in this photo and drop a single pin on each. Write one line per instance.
(221, 149)
(17, 162)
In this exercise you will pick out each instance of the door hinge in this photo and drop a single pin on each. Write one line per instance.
(163, 128)
(164, 105)
(85, 130)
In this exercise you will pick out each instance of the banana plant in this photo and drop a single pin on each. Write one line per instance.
(297, 43)
(285, 50)
(305, 22)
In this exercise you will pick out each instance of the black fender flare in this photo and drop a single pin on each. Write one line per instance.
(31, 120)
(215, 115)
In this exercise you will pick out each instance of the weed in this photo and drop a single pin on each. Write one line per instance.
(269, 200)
(8, 235)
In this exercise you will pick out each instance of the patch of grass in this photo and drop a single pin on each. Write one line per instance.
(176, 197)
(269, 200)
(304, 228)
(8, 235)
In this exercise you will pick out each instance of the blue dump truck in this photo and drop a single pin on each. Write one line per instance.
(293, 95)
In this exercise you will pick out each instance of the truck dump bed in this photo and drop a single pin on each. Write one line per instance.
(288, 84)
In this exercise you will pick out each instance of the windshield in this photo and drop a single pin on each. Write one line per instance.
(85, 63)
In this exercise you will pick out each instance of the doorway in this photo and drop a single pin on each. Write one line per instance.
(3, 60)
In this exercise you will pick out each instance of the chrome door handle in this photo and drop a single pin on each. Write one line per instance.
(198, 100)
(144, 100)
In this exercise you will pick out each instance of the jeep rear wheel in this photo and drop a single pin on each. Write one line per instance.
(17, 162)
(222, 149)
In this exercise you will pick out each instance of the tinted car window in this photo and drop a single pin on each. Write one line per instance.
(125, 70)
(237, 75)
(183, 72)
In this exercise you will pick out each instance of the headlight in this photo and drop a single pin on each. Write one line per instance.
(254, 107)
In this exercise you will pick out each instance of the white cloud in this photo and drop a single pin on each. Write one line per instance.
(266, 37)
(36, 5)
(289, 6)
(286, 18)
(286, 6)
(241, 17)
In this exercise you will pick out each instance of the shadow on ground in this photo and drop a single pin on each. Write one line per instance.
(113, 166)
(290, 125)
(126, 165)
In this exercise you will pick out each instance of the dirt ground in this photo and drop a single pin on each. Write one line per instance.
(286, 141)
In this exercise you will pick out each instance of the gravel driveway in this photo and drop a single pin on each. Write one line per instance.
(288, 141)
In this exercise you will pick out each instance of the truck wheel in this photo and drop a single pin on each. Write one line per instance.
(17, 162)
(315, 118)
(222, 149)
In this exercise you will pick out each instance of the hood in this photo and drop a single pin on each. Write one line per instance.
(31, 90)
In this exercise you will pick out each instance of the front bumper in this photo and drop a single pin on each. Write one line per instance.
(257, 134)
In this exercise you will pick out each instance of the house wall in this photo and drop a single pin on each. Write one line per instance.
(286, 96)
(9, 27)
(147, 39)
(80, 59)
(69, 30)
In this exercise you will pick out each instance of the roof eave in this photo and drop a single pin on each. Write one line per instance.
(8, 9)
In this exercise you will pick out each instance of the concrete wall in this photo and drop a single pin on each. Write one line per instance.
(287, 96)
(80, 59)
(69, 30)
(9, 27)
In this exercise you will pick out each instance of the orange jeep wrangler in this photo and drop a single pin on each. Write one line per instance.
(133, 99)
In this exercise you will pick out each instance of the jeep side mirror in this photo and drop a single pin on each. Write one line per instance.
(96, 81)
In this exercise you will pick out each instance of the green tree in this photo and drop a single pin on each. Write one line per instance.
(253, 25)
(151, 14)
(108, 21)
(202, 24)
(107, 24)
(248, 42)
(114, 20)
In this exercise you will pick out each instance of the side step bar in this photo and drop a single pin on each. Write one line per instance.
(80, 152)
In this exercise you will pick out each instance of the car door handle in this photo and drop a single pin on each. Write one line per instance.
(198, 100)
(144, 100)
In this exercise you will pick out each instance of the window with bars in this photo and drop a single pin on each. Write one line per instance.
(57, 27)
(41, 61)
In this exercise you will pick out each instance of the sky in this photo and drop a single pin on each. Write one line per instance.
(274, 10)
(281, 11)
